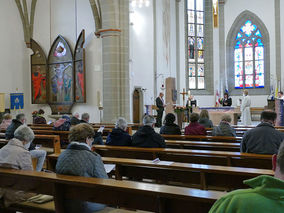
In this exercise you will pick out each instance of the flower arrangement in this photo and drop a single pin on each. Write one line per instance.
(178, 109)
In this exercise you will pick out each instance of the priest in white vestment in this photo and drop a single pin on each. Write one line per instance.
(245, 109)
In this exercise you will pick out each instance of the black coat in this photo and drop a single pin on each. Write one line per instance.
(227, 102)
(12, 128)
(170, 129)
(263, 139)
(159, 104)
(74, 121)
(147, 137)
(118, 137)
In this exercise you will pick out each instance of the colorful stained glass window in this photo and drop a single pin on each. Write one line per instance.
(249, 57)
(196, 74)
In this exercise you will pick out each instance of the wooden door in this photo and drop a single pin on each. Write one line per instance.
(136, 106)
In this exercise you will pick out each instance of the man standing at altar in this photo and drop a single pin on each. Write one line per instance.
(245, 109)
(160, 104)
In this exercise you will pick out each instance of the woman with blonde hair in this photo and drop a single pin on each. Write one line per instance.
(204, 119)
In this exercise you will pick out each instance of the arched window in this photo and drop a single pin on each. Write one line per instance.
(249, 57)
(199, 36)
(195, 44)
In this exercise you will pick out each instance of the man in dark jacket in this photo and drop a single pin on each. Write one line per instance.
(264, 138)
(146, 135)
(75, 119)
(118, 135)
(20, 120)
(98, 135)
(160, 104)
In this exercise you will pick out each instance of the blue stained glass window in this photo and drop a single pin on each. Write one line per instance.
(258, 33)
(196, 48)
(239, 36)
(238, 45)
(259, 42)
(249, 56)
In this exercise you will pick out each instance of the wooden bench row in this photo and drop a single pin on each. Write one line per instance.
(133, 195)
(221, 158)
(173, 173)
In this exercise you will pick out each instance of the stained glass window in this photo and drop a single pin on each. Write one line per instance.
(249, 57)
(195, 13)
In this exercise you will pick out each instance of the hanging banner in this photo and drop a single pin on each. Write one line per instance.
(17, 101)
(2, 102)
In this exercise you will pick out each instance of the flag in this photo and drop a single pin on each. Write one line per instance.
(217, 98)
(17, 101)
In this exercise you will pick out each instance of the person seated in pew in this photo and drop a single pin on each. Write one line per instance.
(194, 128)
(38, 117)
(146, 135)
(15, 155)
(79, 160)
(169, 127)
(264, 138)
(204, 119)
(39, 154)
(7, 120)
(75, 119)
(265, 193)
(118, 136)
(98, 139)
(62, 124)
(224, 128)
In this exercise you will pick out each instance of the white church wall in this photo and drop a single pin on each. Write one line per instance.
(14, 56)
(65, 17)
(265, 11)
(182, 47)
(141, 43)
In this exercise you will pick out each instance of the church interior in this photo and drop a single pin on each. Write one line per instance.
(173, 104)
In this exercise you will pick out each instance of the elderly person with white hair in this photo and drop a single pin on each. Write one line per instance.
(75, 119)
(224, 128)
(39, 154)
(146, 135)
(118, 135)
(15, 155)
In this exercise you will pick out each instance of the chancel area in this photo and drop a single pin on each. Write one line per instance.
(122, 106)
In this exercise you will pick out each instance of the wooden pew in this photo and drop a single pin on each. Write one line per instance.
(203, 138)
(235, 159)
(52, 141)
(142, 196)
(202, 145)
(184, 174)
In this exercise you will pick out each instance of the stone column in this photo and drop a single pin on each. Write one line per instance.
(278, 42)
(223, 74)
(115, 48)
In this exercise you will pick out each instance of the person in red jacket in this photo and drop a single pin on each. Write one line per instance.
(194, 128)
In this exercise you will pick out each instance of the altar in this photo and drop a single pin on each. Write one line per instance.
(216, 113)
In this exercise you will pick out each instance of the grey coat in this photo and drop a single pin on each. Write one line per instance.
(263, 139)
(79, 160)
(224, 129)
(15, 156)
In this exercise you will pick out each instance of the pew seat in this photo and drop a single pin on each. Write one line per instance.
(221, 158)
(126, 194)
(183, 174)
